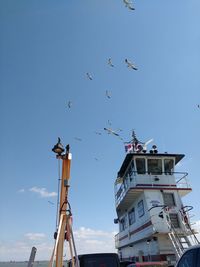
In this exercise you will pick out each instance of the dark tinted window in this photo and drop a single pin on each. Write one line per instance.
(140, 208)
(98, 260)
(188, 259)
(154, 166)
(140, 164)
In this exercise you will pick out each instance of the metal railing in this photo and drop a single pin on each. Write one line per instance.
(174, 179)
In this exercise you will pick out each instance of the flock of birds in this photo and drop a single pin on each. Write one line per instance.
(109, 130)
(128, 4)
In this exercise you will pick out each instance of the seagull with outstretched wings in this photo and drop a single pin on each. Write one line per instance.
(110, 62)
(89, 76)
(110, 131)
(128, 4)
(130, 65)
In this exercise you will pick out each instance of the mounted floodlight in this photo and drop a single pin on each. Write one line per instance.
(116, 220)
(58, 148)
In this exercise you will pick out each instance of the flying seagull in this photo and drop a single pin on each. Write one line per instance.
(128, 4)
(110, 131)
(69, 104)
(89, 76)
(78, 139)
(108, 94)
(130, 65)
(110, 62)
(98, 133)
(50, 202)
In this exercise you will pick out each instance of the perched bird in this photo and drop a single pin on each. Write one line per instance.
(89, 76)
(128, 4)
(69, 104)
(78, 139)
(130, 65)
(108, 94)
(110, 62)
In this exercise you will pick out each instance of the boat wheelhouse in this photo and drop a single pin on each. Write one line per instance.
(153, 222)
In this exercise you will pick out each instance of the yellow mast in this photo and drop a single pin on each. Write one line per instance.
(66, 162)
(64, 230)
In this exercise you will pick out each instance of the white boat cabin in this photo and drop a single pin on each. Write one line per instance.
(153, 222)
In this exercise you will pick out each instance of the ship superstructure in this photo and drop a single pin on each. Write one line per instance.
(154, 225)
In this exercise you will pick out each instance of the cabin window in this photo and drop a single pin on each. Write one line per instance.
(154, 166)
(169, 199)
(131, 216)
(131, 169)
(168, 165)
(140, 163)
(123, 223)
(174, 220)
(140, 208)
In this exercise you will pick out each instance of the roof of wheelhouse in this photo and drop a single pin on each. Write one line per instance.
(129, 157)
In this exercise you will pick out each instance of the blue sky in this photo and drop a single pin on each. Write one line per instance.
(46, 49)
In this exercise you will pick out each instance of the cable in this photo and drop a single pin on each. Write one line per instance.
(59, 179)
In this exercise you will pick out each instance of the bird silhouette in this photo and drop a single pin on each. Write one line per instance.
(108, 94)
(69, 104)
(130, 65)
(128, 4)
(89, 76)
(78, 139)
(110, 131)
(98, 133)
(110, 62)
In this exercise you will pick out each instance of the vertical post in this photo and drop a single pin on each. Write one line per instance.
(66, 162)
(32, 257)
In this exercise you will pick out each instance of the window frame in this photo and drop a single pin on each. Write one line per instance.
(136, 165)
(131, 216)
(141, 202)
(160, 172)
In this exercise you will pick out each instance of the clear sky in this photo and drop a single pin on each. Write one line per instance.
(46, 49)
